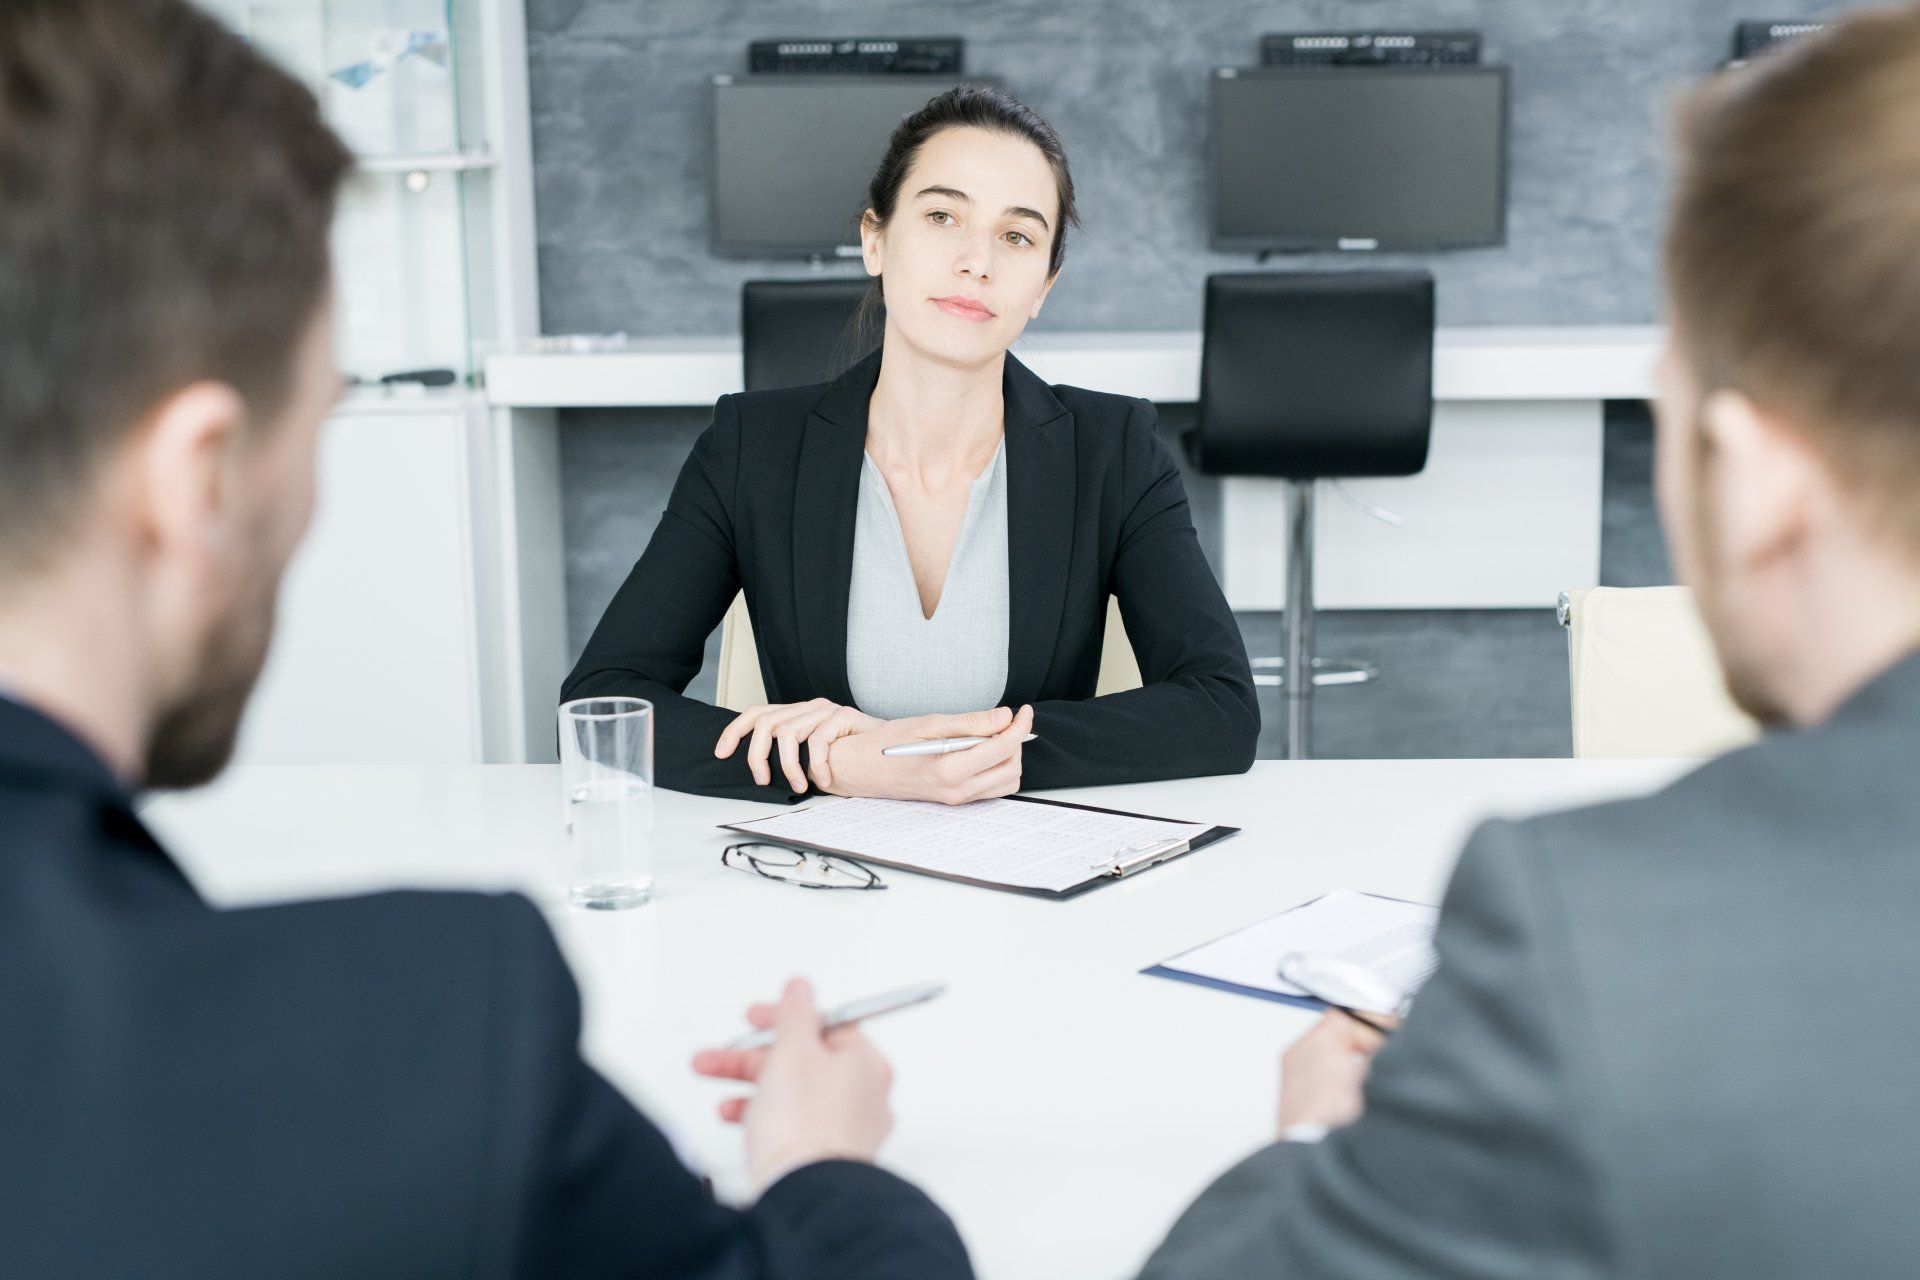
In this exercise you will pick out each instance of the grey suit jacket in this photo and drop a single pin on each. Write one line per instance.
(1676, 1036)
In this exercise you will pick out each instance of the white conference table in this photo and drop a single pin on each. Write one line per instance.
(1059, 1103)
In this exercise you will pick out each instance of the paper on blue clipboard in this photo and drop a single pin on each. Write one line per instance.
(1388, 936)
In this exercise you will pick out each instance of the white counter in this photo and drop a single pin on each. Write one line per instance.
(1506, 515)
(1542, 363)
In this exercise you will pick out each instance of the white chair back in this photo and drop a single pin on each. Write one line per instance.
(1644, 676)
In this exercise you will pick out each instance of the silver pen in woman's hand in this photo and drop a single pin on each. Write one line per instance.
(939, 746)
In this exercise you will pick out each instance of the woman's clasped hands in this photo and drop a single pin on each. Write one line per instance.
(843, 746)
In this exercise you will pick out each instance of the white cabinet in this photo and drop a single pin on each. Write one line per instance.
(422, 621)
(376, 659)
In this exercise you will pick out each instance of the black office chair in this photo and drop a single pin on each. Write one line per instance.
(1310, 376)
(793, 332)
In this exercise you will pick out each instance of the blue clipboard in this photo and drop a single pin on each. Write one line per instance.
(1218, 984)
(1313, 1003)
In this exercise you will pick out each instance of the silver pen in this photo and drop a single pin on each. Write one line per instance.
(939, 746)
(854, 1011)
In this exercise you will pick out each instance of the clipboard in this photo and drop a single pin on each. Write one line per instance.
(1126, 861)
(1173, 969)
(1314, 1003)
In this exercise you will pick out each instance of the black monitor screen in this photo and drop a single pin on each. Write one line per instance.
(1304, 158)
(792, 156)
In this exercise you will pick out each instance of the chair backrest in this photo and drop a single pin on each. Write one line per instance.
(1644, 676)
(740, 685)
(1313, 375)
(794, 332)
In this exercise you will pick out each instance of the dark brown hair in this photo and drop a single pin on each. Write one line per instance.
(165, 200)
(1792, 248)
(977, 106)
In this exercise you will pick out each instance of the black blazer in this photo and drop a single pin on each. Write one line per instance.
(385, 1086)
(767, 502)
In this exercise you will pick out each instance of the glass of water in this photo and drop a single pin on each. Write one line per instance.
(606, 776)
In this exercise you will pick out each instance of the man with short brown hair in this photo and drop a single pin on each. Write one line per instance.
(368, 1087)
(1680, 1036)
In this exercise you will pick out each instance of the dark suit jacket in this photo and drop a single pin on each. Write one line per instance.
(1672, 1037)
(1095, 507)
(379, 1086)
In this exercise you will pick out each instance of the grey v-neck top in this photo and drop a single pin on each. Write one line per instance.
(901, 663)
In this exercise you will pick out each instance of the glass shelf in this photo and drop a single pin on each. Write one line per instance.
(429, 162)
(399, 81)
(387, 72)
(380, 403)
(401, 263)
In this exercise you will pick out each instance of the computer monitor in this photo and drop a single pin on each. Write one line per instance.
(792, 156)
(1313, 158)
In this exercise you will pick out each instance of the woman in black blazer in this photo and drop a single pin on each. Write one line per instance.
(767, 503)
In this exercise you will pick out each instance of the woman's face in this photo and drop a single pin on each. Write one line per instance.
(963, 261)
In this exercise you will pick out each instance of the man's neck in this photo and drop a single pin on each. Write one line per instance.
(1862, 618)
(64, 652)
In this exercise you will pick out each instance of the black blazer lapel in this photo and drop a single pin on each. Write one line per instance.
(1041, 493)
(826, 501)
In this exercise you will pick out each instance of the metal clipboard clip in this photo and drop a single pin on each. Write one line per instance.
(1133, 859)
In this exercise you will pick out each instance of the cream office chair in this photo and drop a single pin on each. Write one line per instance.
(1644, 676)
(740, 685)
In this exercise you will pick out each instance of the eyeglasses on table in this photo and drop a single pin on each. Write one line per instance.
(802, 867)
